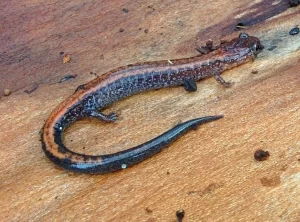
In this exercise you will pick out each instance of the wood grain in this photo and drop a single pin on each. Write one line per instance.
(210, 172)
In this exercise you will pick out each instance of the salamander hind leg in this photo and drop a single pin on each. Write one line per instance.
(220, 80)
(111, 117)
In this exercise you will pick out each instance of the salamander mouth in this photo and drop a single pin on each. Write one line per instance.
(259, 47)
(256, 48)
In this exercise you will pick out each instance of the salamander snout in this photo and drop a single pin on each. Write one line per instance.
(250, 41)
(243, 43)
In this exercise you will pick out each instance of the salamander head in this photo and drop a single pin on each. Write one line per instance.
(244, 44)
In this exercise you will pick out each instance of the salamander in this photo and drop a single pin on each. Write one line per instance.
(89, 99)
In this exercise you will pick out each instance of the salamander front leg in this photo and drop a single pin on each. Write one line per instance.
(112, 117)
(221, 80)
(190, 85)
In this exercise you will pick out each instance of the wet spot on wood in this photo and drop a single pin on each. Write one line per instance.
(207, 190)
(270, 181)
(151, 219)
(284, 167)
(191, 192)
(148, 210)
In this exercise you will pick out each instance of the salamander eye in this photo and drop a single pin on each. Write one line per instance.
(243, 35)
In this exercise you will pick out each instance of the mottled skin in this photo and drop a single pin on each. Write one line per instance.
(89, 99)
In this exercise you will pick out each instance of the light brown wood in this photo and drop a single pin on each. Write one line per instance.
(209, 172)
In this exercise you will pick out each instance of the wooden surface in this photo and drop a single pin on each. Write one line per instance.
(210, 172)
